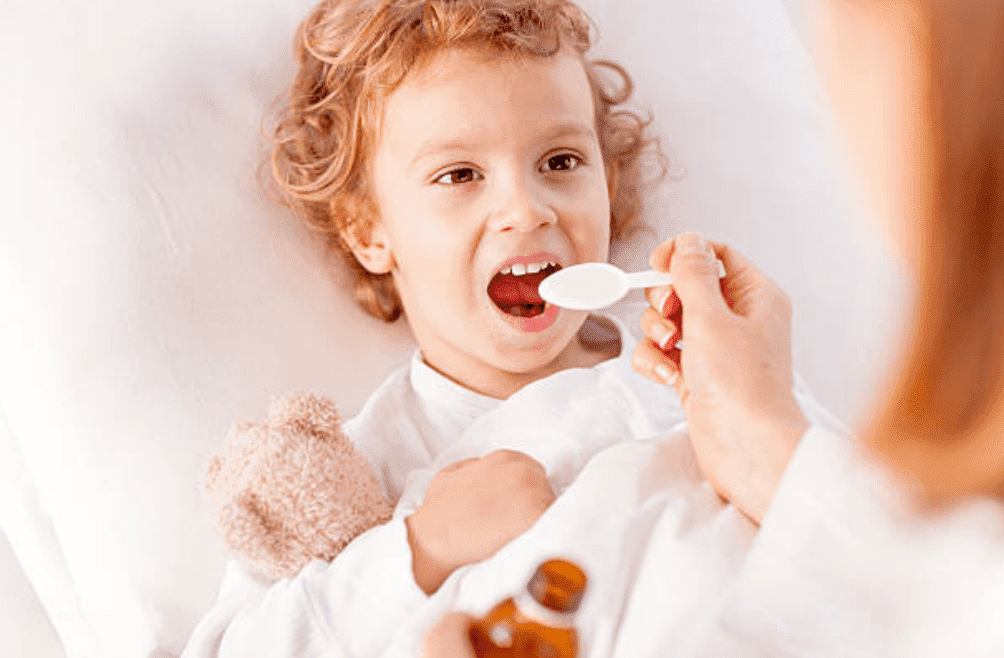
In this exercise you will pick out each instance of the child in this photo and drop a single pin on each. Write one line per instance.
(454, 153)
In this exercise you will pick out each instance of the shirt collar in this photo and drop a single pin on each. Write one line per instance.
(428, 383)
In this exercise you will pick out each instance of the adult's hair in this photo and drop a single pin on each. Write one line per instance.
(352, 54)
(938, 425)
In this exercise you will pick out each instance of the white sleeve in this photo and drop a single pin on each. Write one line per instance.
(341, 608)
(843, 565)
(805, 587)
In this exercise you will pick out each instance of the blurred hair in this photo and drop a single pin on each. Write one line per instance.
(935, 425)
(352, 54)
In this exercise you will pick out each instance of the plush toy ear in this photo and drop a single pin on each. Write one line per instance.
(292, 489)
(307, 413)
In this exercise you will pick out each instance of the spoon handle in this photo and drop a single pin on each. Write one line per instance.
(649, 279)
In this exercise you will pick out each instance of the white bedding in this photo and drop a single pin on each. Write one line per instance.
(658, 545)
(840, 566)
(150, 295)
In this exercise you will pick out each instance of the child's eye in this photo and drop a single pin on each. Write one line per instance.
(562, 162)
(456, 176)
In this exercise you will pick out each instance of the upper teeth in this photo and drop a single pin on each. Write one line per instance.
(519, 269)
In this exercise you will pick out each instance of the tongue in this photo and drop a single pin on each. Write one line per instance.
(508, 290)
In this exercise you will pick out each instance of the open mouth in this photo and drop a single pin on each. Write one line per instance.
(514, 289)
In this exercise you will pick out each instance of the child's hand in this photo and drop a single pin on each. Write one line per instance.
(734, 373)
(472, 509)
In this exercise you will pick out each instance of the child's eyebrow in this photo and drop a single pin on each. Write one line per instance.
(572, 129)
(560, 131)
(436, 147)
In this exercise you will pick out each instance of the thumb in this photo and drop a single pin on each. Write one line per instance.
(695, 273)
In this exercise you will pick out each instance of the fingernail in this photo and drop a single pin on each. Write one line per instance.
(665, 374)
(661, 297)
(691, 243)
(664, 341)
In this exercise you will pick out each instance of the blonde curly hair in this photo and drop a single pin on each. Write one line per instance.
(352, 54)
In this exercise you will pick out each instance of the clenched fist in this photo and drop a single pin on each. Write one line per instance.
(472, 509)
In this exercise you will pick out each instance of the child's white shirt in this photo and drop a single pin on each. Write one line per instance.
(419, 419)
(416, 422)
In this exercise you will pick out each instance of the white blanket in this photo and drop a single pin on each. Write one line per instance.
(840, 567)
(658, 545)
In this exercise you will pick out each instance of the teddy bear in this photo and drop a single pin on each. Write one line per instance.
(292, 488)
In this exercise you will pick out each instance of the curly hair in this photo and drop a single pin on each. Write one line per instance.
(352, 54)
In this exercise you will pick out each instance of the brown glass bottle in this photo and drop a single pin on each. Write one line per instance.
(536, 623)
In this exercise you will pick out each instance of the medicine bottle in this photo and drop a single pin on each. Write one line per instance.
(537, 623)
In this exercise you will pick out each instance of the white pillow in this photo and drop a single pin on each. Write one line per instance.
(152, 296)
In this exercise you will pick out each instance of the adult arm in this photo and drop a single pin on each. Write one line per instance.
(845, 563)
(734, 374)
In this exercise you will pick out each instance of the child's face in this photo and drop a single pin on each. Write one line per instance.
(483, 161)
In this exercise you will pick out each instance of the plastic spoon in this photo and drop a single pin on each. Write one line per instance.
(591, 286)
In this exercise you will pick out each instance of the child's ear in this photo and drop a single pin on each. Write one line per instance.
(371, 247)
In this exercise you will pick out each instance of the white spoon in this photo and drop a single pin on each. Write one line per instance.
(590, 286)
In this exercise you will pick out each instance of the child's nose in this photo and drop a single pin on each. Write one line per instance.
(522, 207)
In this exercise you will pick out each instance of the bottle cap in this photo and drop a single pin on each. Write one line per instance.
(558, 585)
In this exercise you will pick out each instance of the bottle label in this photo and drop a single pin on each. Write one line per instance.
(531, 609)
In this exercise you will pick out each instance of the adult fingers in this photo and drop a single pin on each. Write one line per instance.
(662, 331)
(740, 275)
(661, 256)
(661, 367)
(744, 284)
(733, 260)
(744, 288)
(664, 300)
(695, 273)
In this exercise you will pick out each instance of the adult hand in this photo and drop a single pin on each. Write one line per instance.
(473, 508)
(449, 638)
(734, 373)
